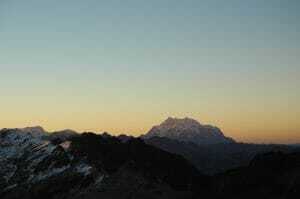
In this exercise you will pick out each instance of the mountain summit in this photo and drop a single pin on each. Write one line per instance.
(188, 130)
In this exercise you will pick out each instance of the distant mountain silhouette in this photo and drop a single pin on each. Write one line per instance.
(216, 158)
(188, 130)
(205, 146)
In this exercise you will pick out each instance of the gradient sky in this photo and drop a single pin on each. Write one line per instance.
(124, 66)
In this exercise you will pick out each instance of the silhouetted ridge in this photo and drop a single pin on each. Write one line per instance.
(112, 154)
(270, 175)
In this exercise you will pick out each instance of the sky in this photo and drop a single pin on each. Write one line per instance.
(124, 66)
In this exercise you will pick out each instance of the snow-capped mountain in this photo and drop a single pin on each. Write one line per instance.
(188, 130)
(28, 159)
(36, 131)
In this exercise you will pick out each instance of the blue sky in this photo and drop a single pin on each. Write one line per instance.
(231, 63)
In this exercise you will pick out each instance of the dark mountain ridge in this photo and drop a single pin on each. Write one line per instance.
(270, 175)
(216, 158)
(92, 166)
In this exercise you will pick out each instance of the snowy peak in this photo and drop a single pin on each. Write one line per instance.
(36, 131)
(184, 123)
(28, 158)
(188, 130)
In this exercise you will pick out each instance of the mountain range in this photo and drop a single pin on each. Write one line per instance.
(158, 165)
(34, 165)
(205, 146)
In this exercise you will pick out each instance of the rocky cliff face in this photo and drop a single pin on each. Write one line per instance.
(31, 164)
